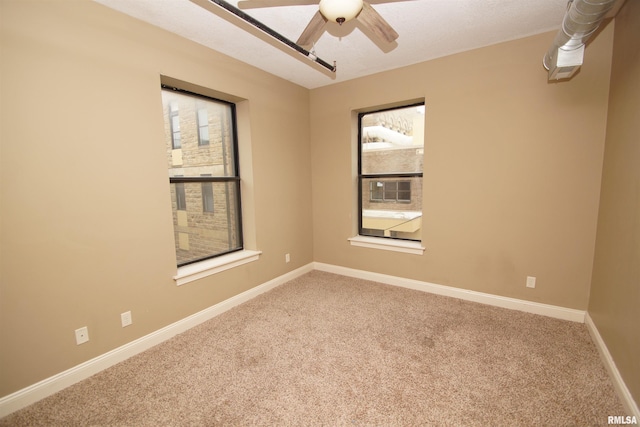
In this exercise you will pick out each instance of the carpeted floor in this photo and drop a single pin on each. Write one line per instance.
(330, 350)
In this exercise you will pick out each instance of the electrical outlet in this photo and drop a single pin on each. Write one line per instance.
(531, 282)
(82, 335)
(126, 319)
(287, 258)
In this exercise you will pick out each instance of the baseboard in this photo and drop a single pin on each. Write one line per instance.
(618, 383)
(480, 297)
(51, 385)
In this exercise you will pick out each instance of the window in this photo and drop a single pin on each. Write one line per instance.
(203, 127)
(181, 198)
(390, 159)
(207, 196)
(390, 191)
(203, 177)
(174, 120)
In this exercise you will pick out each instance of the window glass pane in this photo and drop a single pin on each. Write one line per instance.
(391, 218)
(398, 218)
(376, 190)
(218, 157)
(203, 127)
(175, 123)
(203, 134)
(175, 129)
(390, 191)
(404, 185)
(404, 191)
(176, 140)
(392, 141)
(207, 233)
(178, 197)
(207, 197)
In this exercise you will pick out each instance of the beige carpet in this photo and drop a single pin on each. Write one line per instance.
(335, 351)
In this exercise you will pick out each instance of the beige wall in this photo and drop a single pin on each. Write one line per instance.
(615, 290)
(86, 213)
(511, 171)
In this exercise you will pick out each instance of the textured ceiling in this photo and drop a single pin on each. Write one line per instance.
(428, 29)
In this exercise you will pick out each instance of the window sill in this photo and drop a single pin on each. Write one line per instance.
(404, 246)
(198, 270)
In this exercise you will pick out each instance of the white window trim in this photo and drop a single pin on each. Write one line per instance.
(405, 246)
(198, 270)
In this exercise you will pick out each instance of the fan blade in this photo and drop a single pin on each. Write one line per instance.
(387, 1)
(255, 4)
(314, 30)
(372, 21)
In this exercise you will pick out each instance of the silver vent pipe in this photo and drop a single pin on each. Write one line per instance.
(582, 19)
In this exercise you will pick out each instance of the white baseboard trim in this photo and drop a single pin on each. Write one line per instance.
(51, 385)
(618, 383)
(480, 297)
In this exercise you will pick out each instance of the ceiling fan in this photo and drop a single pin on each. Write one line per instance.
(339, 11)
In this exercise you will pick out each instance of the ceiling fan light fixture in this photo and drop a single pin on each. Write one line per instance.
(340, 10)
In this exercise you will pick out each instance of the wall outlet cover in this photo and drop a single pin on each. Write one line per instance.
(82, 335)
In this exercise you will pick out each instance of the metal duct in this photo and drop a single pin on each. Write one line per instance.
(582, 19)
